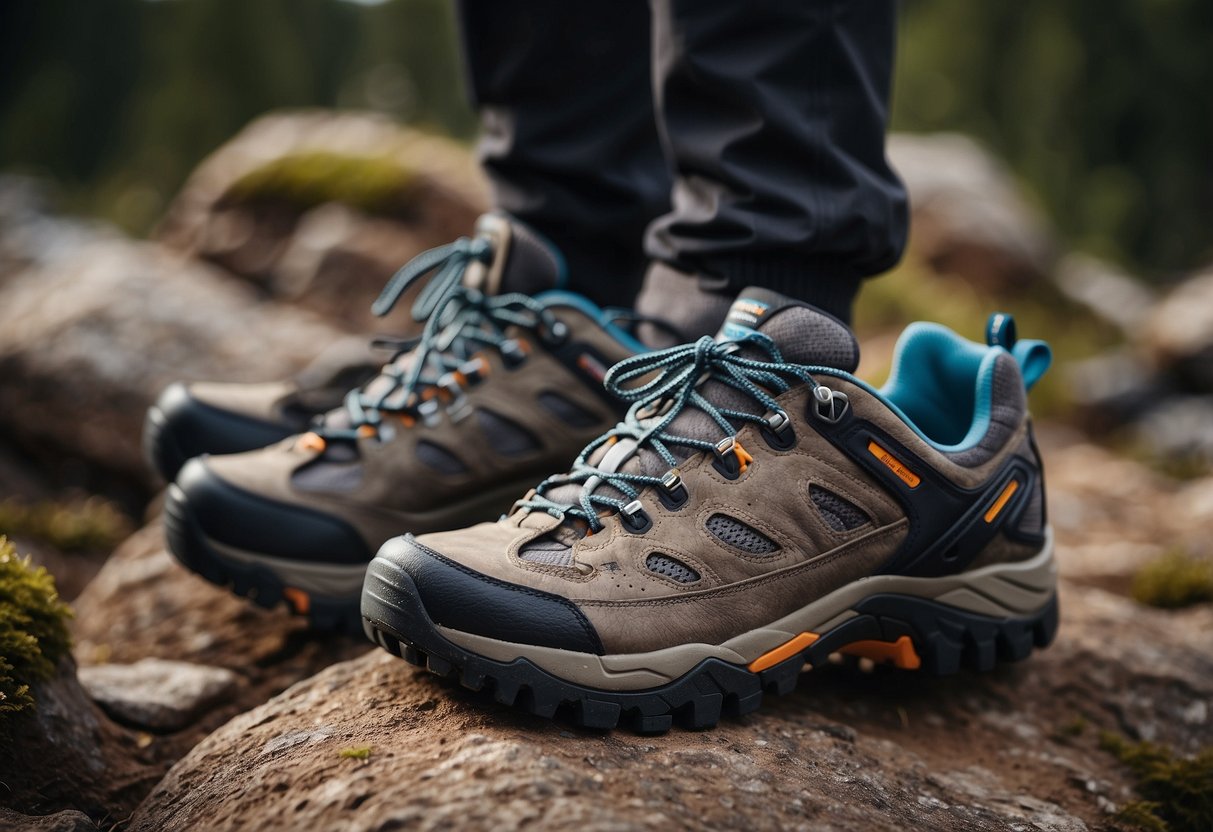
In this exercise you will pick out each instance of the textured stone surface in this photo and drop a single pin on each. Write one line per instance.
(144, 604)
(969, 216)
(157, 694)
(88, 342)
(68, 820)
(66, 754)
(1178, 334)
(849, 750)
(332, 258)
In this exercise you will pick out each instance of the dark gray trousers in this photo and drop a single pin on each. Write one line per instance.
(741, 140)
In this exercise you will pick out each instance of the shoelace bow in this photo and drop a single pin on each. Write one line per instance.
(459, 321)
(680, 371)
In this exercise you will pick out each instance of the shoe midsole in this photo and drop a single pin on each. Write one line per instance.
(1003, 590)
(329, 580)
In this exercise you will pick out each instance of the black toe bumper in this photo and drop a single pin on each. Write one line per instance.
(463, 599)
(179, 427)
(232, 516)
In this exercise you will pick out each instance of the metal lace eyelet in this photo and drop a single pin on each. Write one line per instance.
(634, 518)
(727, 462)
(829, 405)
(778, 432)
(512, 353)
(673, 492)
(554, 333)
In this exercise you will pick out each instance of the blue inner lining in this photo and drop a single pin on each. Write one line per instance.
(563, 297)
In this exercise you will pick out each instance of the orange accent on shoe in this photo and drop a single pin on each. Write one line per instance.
(311, 442)
(784, 651)
(743, 457)
(299, 600)
(367, 431)
(895, 465)
(407, 420)
(901, 652)
(1001, 502)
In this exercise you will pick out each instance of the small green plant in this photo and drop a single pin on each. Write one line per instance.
(357, 752)
(33, 629)
(93, 524)
(1177, 791)
(374, 184)
(1173, 580)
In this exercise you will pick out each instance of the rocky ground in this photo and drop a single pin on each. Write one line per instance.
(187, 708)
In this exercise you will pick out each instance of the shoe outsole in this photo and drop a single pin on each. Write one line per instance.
(259, 584)
(946, 638)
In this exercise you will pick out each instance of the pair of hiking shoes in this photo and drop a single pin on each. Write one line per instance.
(736, 507)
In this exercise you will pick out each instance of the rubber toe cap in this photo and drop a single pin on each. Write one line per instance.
(236, 517)
(180, 426)
(460, 598)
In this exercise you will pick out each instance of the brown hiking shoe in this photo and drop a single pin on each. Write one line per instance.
(190, 420)
(503, 386)
(759, 508)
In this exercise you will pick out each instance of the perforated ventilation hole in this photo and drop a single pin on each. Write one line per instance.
(439, 458)
(566, 411)
(667, 567)
(839, 514)
(506, 437)
(733, 532)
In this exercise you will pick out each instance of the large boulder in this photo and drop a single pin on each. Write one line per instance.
(375, 743)
(87, 342)
(321, 207)
(970, 218)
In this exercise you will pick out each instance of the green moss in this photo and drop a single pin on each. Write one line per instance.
(1073, 729)
(1173, 580)
(357, 752)
(33, 629)
(82, 525)
(1177, 791)
(912, 292)
(373, 184)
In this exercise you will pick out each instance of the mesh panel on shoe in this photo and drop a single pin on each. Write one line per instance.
(740, 536)
(667, 567)
(547, 551)
(566, 411)
(439, 458)
(840, 515)
(1008, 403)
(326, 475)
(810, 337)
(507, 438)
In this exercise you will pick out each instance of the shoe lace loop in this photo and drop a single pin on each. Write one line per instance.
(678, 374)
(459, 321)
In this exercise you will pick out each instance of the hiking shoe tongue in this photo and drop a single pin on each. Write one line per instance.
(803, 333)
(523, 261)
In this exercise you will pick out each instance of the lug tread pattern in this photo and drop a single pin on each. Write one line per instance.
(946, 638)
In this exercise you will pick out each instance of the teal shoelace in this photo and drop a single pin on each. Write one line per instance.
(680, 372)
(459, 321)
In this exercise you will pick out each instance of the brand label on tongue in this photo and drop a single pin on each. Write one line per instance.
(744, 317)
